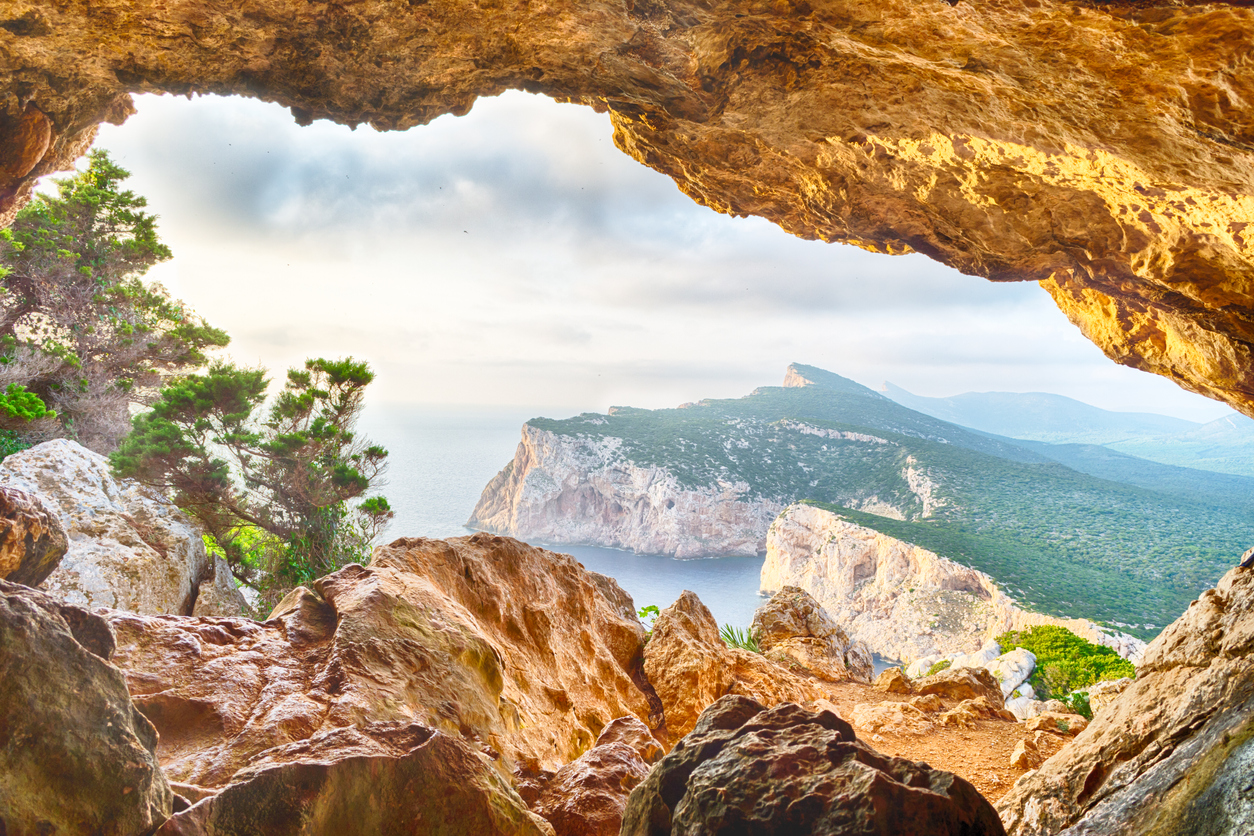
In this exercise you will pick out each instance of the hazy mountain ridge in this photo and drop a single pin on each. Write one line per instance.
(1061, 540)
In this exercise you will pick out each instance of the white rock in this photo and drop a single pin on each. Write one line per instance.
(1025, 690)
(904, 601)
(919, 667)
(130, 548)
(1025, 708)
(1013, 669)
(218, 596)
(981, 658)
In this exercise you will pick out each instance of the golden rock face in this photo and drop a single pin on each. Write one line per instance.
(1103, 149)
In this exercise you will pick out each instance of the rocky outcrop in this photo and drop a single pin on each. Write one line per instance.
(1171, 754)
(380, 778)
(518, 652)
(690, 667)
(784, 770)
(129, 547)
(587, 796)
(580, 489)
(32, 541)
(795, 631)
(904, 601)
(1119, 179)
(76, 758)
(957, 684)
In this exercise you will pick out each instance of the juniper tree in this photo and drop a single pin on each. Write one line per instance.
(272, 485)
(79, 328)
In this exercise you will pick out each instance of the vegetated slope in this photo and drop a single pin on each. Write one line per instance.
(1040, 416)
(1061, 541)
(1225, 445)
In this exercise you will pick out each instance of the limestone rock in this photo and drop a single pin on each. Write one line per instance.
(1056, 721)
(891, 717)
(1166, 755)
(563, 489)
(893, 681)
(1012, 669)
(587, 796)
(1024, 708)
(905, 602)
(690, 667)
(928, 702)
(1025, 755)
(784, 770)
(76, 757)
(129, 547)
(382, 778)
(957, 684)
(32, 540)
(218, 595)
(1102, 694)
(967, 712)
(632, 733)
(794, 630)
(514, 650)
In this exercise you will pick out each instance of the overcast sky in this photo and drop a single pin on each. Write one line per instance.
(515, 256)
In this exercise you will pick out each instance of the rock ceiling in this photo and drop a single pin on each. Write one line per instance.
(1105, 150)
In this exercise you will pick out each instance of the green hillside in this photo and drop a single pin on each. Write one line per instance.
(1061, 541)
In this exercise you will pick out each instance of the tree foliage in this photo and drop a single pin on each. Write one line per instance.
(78, 327)
(1064, 661)
(272, 485)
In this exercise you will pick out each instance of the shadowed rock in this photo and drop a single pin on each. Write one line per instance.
(788, 771)
(76, 757)
(32, 540)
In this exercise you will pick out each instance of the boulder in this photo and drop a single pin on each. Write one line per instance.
(218, 595)
(793, 629)
(381, 778)
(517, 651)
(1024, 708)
(587, 796)
(635, 734)
(928, 703)
(76, 757)
(919, 667)
(957, 684)
(1102, 694)
(893, 681)
(890, 717)
(690, 667)
(1171, 754)
(746, 768)
(129, 547)
(967, 712)
(1025, 755)
(1012, 669)
(32, 540)
(1054, 721)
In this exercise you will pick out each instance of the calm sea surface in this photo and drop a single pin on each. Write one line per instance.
(441, 459)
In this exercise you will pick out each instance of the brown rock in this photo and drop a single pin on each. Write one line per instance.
(784, 770)
(1171, 754)
(76, 757)
(1120, 181)
(928, 703)
(635, 734)
(893, 681)
(1102, 694)
(381, 778)
(25, 142)
(891, 717)
(515, 650)
(958, 684)
(967, 712)
(1025, 755)
(587, 796)
(32, 539)
(690, 667)
(794, 630)
(1052, 721)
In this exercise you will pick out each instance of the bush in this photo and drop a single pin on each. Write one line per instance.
(10, 443)
(942, 665)
(1064, 661)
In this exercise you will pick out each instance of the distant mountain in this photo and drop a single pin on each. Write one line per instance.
(1039, 416)
(1070, 530)
(1225, 445)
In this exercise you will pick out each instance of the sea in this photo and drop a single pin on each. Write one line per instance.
(441, 458)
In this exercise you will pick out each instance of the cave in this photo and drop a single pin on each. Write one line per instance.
(1102, 149)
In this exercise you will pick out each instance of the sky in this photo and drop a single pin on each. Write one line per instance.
(514, 256)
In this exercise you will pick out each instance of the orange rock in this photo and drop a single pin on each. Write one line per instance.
(690, 667)
(893, 681)
(1056, 722)
(891, 717)
(587, 796)
(794, 630)
(1025, 755)
(32, 539)
(517, 651)
(967, 712)
(927, 702)
(962, 684)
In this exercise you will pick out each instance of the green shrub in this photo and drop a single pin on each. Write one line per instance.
(736, 637)
(10, 443)
(17, 403)
(938, 667)
(1064, 661)
(1079, 702)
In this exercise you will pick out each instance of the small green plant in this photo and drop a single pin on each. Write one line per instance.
(17, 403)
(737, 637)
(10, 443)
(648, 616)
(942, 665)
(1064, 726)
(1079, 702)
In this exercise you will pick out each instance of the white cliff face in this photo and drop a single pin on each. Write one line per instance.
(578, 489)
(906, 602)
(129, 547)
